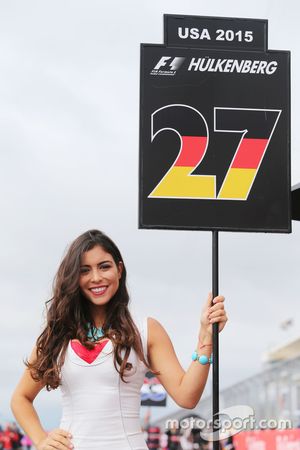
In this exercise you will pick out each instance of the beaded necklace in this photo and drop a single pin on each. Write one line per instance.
(95, 333)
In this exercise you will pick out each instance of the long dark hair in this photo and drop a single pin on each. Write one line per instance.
(68, 315)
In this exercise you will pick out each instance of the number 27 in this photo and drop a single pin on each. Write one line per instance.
(256, 127)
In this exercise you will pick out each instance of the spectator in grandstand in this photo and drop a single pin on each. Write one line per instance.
(26, 442)
(187, 440)
(173, 438)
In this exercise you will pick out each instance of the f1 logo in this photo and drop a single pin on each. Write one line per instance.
(172, 65)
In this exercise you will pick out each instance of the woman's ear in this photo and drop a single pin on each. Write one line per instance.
(120, 269)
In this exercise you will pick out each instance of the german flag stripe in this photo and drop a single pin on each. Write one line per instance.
(237, 184)
(249, 154)
(193, 148)
(179, 183)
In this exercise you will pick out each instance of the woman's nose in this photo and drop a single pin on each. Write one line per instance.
(96, 275)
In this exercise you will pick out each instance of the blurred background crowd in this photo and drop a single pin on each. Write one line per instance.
(12, 438)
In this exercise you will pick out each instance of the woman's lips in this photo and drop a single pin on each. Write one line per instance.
(98, 291)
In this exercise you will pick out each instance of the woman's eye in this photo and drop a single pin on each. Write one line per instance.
(83, 270)
(105, 266)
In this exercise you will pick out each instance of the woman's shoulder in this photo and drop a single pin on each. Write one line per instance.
(146, 324)
(150, 329)
(153, 323)
(156, 330)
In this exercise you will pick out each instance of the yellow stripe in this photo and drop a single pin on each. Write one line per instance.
(178, 183)
(237, 184)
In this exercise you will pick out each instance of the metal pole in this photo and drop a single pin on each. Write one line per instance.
(215, 365)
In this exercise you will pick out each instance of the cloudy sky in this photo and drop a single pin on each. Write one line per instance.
(69, 107)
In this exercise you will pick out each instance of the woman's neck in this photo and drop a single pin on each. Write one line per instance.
(98, 315)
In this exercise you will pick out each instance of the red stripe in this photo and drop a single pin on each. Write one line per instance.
(193, 148)
(249, 154)
(88, 356)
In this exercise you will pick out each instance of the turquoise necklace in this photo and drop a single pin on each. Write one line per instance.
(94, 333)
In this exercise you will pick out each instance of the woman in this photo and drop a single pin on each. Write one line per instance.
(94, 351)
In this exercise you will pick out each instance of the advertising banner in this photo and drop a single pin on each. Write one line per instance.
(215, 128)
(152, 392)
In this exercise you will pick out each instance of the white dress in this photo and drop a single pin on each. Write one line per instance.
(99, 409)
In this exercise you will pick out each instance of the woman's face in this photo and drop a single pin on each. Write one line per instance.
(99, 276)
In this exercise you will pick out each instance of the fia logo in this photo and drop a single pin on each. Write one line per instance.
(167, 65)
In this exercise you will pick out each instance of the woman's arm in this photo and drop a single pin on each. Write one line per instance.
(185, 387)
(26, 415)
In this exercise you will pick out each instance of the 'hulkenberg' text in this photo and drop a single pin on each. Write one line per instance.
(233, 65)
